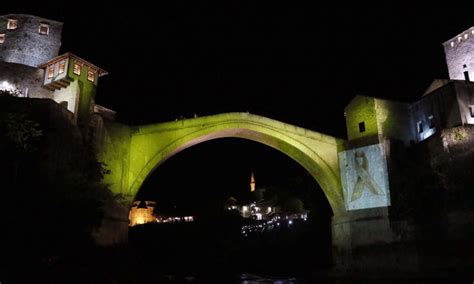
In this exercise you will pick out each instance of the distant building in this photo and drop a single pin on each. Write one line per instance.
(258, 210)
(262, 209)
(175, 218)
(142, 213)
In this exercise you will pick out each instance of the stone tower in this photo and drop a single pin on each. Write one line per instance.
(29, 63)
(459, 53)
(29, 40)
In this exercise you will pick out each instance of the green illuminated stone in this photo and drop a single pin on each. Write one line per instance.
(133, 153)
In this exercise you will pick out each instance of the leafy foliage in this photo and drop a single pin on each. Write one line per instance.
(58, 198)
(10, 93)
(22, 132)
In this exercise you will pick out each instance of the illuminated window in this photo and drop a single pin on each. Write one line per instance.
(77, 69)
(62, 66)
(12, 24)
(50, 71)
(2, 38)
(459, 38)
(431, 121)
(452, 44)
(420, 127)
(43, 29)
(471, 110)
(465, 36)
(361, 127)
(91, 75)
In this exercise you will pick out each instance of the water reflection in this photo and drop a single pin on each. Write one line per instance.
(253, 279)
(243, 278)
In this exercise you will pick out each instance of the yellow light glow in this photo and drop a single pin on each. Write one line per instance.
(43, 29)
(5, 85)
(62, 66)
(12, 24)
(91, 75)
(50, 71)
(77, 69)
(252, 183)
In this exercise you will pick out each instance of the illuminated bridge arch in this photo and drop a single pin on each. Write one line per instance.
(133, 153)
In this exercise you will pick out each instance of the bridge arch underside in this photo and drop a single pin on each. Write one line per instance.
(309, 158)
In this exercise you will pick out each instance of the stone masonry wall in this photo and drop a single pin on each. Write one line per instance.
(459, 53)
(25, 45)
(22, 77)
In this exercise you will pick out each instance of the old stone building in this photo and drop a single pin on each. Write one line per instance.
(142, 213)
(29, 64)
(446, 104)
(405, 171)
(459, 55)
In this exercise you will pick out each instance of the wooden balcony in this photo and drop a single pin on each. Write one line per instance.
(58, 84)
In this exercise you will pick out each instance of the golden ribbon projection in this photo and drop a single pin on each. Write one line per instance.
(364, 180)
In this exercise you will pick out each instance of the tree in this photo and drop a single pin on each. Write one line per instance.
(23, 134)
(10, 93)
(58, 198)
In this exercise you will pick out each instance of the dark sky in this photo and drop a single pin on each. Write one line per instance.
(299, 63)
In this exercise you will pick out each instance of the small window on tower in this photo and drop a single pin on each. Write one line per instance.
(43, 29)
(361, 127)
(465, 36)
(12, 24)
(2, 38)
(62, 66)
(452, 44)
(420, 127)
(459, 38)
(91, 75)
(77, 69)
(50, 71)
(431, 121)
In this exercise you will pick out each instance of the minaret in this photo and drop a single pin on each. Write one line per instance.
(252, 183)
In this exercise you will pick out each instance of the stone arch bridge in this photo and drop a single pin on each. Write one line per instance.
(133, 153)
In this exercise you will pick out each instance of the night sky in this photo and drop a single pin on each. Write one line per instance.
(293, 62)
